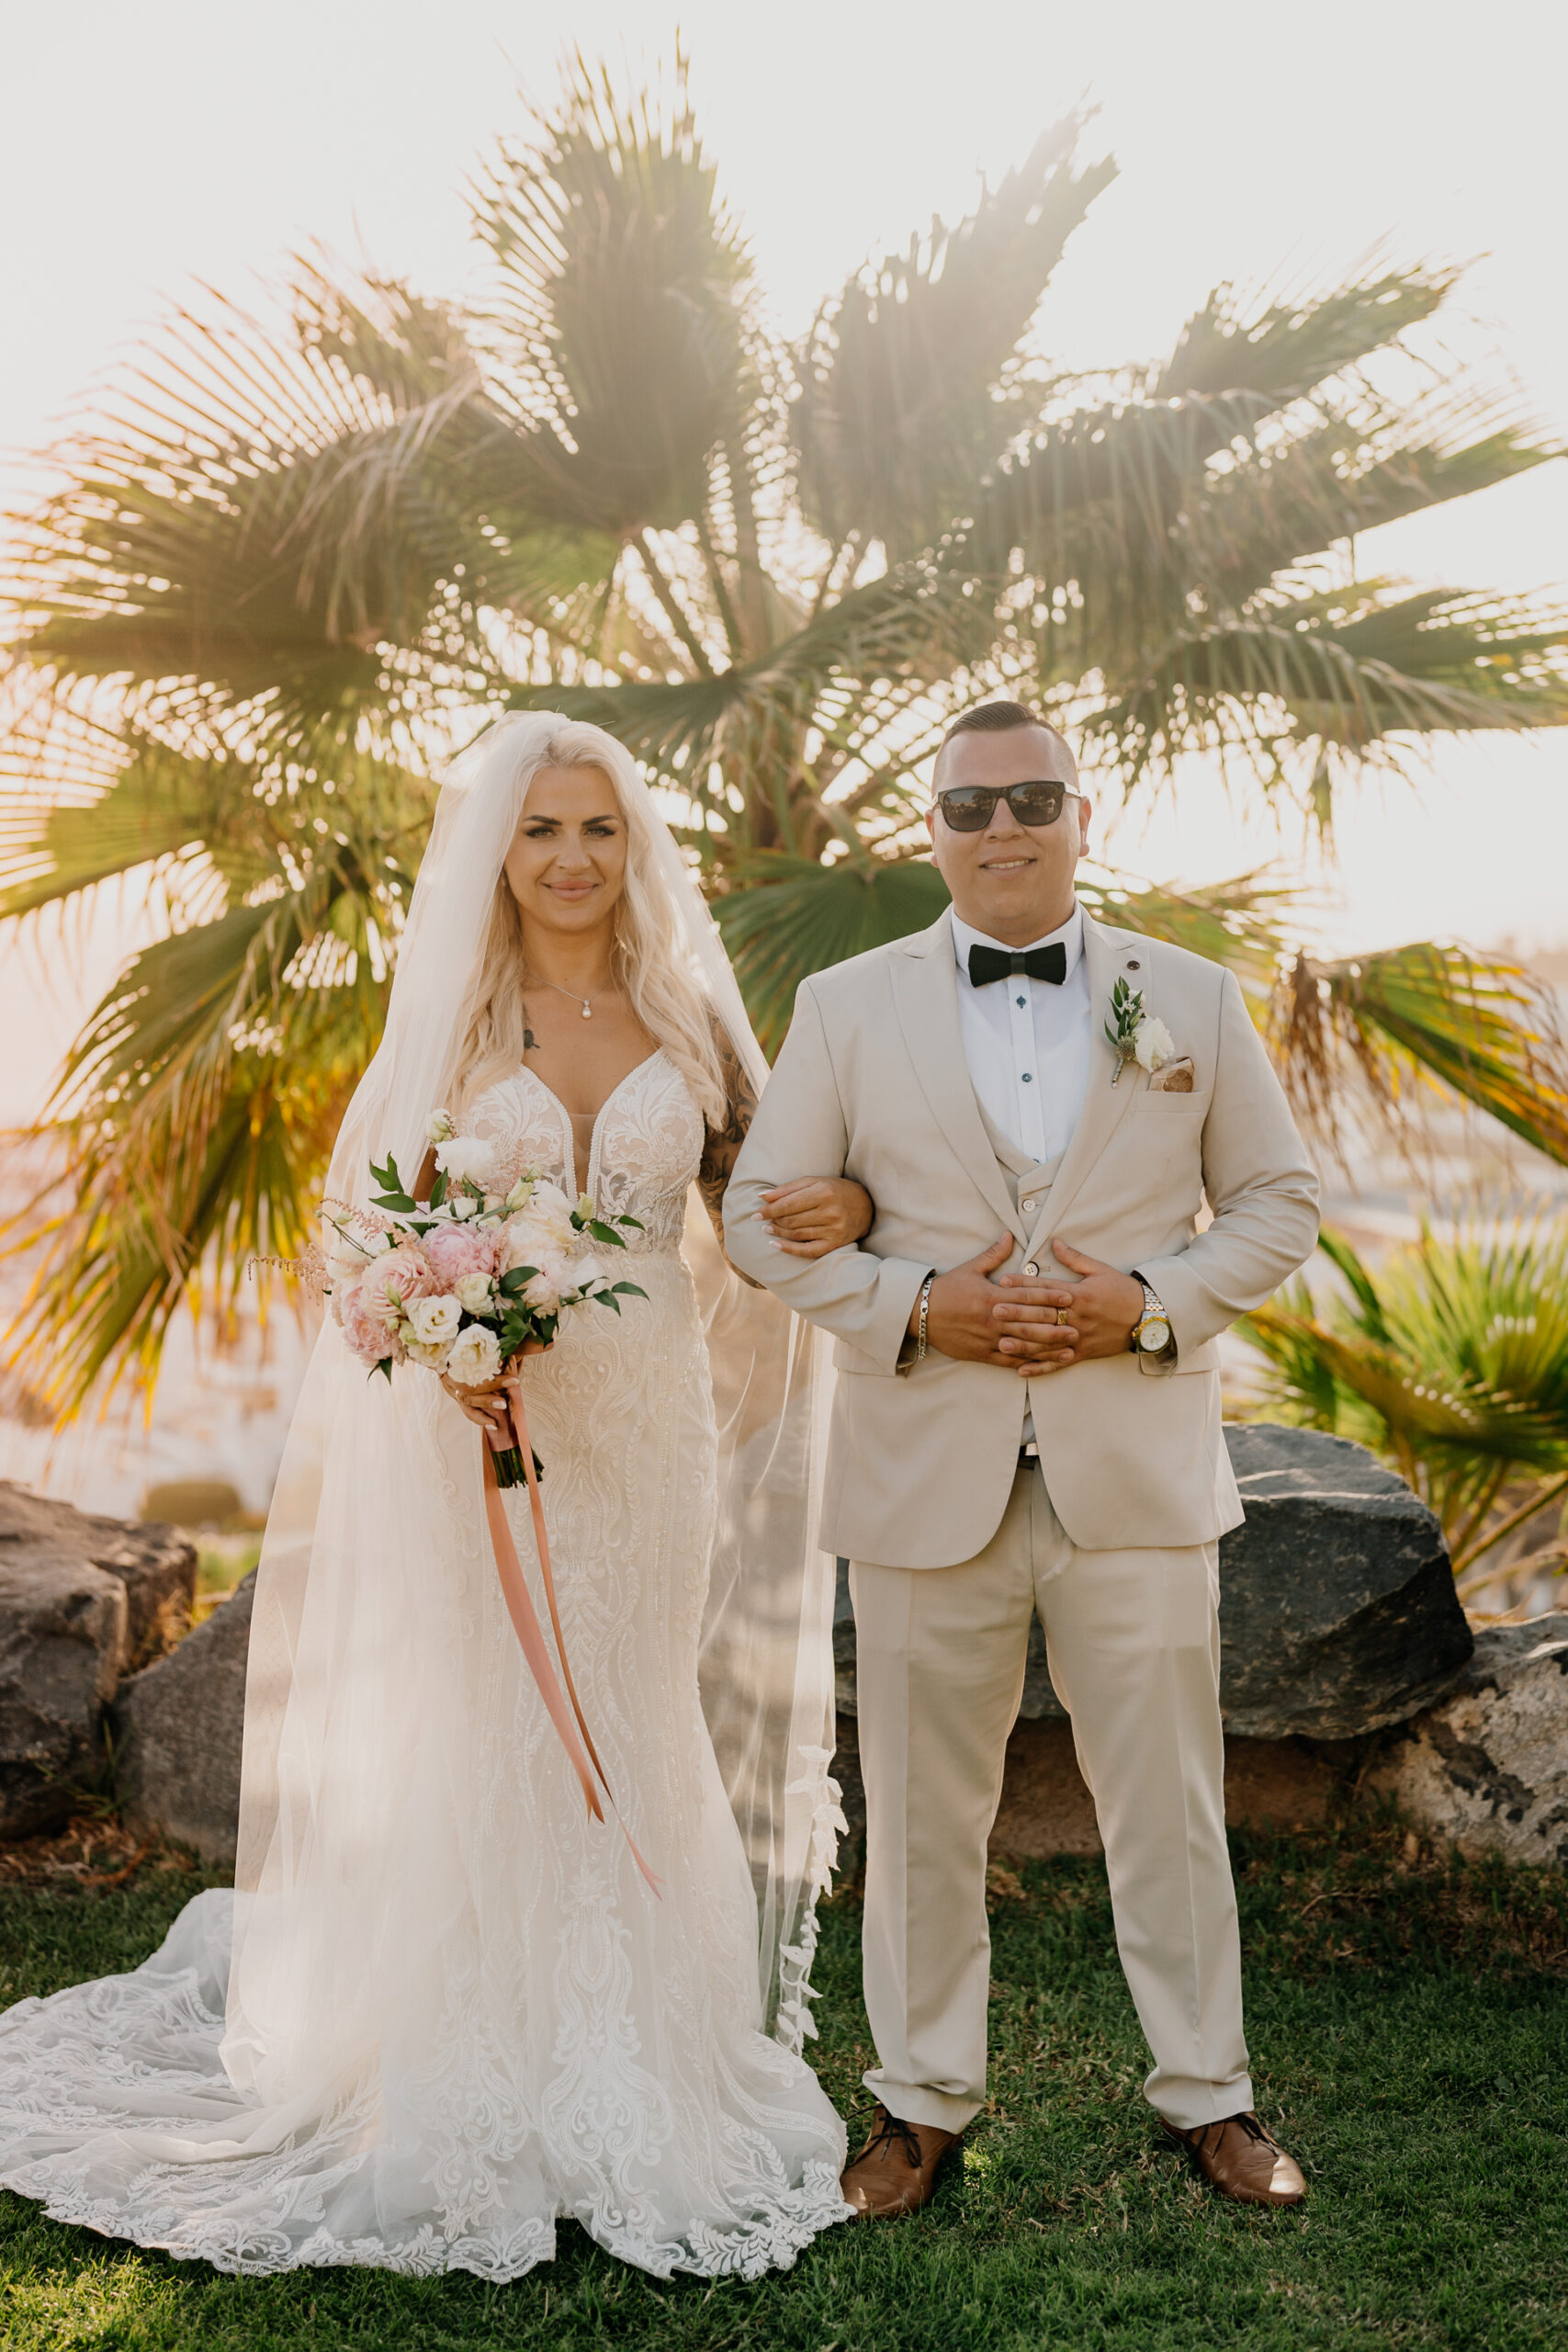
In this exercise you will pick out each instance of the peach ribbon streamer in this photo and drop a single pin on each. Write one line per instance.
(574, 1735)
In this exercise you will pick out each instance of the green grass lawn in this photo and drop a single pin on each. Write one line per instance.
(1409, 2025)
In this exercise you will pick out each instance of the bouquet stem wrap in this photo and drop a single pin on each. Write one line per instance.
(570, 1725)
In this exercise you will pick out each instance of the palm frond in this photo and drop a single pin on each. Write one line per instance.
(797, 916)
(619, 303)
(1339, 674)
(1286, 348)
(1452, 1361)
(900, 399)
(1406, 1017)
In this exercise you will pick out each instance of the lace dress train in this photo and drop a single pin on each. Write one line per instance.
(484, 2022)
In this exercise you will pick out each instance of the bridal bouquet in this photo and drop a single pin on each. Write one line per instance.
(461, 1282)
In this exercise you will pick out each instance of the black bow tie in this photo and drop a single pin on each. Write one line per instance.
(988, 964)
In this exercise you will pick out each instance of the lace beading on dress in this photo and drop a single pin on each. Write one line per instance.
(576, 2047)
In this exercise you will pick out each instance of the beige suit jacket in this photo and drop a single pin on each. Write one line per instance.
(872, 1083)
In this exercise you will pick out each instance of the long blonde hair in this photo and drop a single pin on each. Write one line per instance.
(648, 961)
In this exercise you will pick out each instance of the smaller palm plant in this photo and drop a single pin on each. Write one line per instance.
(1452, 1364)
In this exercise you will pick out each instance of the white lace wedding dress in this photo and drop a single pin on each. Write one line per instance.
(575, 2047)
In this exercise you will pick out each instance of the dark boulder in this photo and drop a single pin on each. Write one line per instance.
(178, 1728)
(1337, 1608)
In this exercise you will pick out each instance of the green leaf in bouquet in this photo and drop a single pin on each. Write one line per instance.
(438, 1190)
(517, 1280)
(385, 1365)
(606, 1233)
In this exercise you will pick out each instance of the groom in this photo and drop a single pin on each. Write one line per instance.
(1027, 1418)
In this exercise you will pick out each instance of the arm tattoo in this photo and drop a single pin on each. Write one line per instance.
(722, 1146)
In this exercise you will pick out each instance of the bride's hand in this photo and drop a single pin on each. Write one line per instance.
(485, 1404)
(816, 1214)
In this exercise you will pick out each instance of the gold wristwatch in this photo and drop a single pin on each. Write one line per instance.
(1151, 1334)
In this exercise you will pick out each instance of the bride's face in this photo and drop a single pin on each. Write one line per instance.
(567, 866)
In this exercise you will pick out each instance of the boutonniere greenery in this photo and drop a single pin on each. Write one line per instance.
(1134, 1036)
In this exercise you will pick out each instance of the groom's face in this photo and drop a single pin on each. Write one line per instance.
(1013, 882)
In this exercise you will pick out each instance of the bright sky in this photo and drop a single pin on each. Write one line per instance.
(150, 146)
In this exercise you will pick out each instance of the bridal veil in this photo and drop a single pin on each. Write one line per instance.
(350, 1868)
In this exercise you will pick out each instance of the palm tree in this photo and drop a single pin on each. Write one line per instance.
(1452, 1362)
(284, 575)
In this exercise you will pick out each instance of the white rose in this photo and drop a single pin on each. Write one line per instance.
(465, 1159)
(438, 1126)
(1154, 1043)
(475, 1358)
(432, 1356)
(434, 1322)
(473, 1294)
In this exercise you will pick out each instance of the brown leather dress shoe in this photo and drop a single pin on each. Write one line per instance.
(895, 2171)
(1243, 2160)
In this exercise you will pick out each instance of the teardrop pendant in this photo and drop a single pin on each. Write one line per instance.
(588, 1013)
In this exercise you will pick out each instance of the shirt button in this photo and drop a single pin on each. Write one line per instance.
(1030, 1207)
(1031, 1268)
(1022, 1001)
(1027, 1076)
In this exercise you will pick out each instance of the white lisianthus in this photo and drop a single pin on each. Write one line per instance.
(475, 1357)
(379, 1244)
(434, 1322)
(465, 1159)
(585, 1205)
(463, 1204)
(345, 1257)
(1154, 1043)
(434, 1355)
(519, 1194)
(473, 1294)
(438, 1126)
(586, 1274)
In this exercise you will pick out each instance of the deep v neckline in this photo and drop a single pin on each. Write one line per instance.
(567, 1116)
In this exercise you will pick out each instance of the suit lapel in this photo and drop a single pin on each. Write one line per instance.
(1108, 954)
(925, 992)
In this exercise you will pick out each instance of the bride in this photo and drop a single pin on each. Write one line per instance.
(441, 2008)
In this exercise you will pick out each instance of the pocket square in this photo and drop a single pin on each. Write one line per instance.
(1174, 1078)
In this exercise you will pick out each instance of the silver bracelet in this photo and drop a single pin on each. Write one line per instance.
(920, 1349)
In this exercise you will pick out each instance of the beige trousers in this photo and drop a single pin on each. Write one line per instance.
(1132, 1639)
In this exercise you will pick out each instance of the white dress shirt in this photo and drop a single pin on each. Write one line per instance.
(1026, 1042)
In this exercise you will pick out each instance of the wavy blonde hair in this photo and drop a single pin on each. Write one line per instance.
(647, 960)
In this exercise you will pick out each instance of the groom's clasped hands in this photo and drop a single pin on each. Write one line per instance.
(1029, 1323)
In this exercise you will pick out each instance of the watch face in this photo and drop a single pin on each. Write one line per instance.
(1154, 1333)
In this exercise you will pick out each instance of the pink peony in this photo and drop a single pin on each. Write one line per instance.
(365, 1325)
(397, 1277)
(456, 1250)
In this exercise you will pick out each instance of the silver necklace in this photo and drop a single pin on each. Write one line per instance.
(585, 1001)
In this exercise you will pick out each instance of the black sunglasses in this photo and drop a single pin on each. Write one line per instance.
(969, 808)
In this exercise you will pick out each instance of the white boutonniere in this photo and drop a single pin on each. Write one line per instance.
(1133, 1034)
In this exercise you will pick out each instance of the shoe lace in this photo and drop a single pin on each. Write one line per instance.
(890, 2131)
(1249, 2123)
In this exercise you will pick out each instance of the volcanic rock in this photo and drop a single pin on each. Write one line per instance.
(80, 1599)
(1486, 1768)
